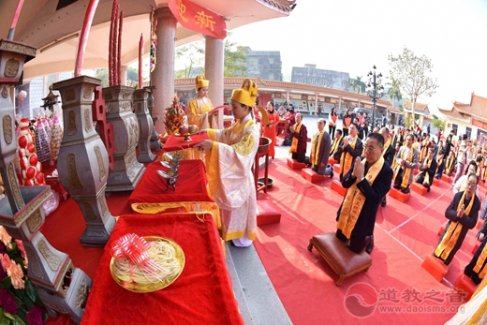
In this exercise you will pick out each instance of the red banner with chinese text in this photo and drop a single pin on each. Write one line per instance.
(198, 19)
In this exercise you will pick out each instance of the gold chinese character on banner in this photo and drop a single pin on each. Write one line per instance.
(182, 10)
(204, 20)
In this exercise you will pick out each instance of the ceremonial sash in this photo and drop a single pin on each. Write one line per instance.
(449, 163)
(354, 200)
(315, 148)
(439, 160)
(346, 159)
(386, 146)
(294, 144)
(479, 267)
(424, 151)
(334, 146)
(426, 165)
(453, 232)
(407, 171)
(394, 165)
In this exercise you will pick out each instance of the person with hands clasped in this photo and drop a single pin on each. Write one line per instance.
(462, 214)
(367, 182)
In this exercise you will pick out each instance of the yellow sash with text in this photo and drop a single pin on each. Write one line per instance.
(453, 232)
(294, 144)
(334, 146)
(355, 199)
(426, 165)
(479, 267)
(407, 171)
(315, 148)
(346, 159)
(449, 163)
(386, 146)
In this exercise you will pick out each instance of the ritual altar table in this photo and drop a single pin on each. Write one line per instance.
(201, 295)
(153, 195)
(174, 142)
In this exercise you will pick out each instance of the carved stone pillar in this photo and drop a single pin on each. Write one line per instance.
(61, 286)
(146, 125)
(83, 160)
(214, 62)
(127, 170)
(163, 75)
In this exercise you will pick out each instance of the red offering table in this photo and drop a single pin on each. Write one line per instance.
(152, 195)
(201, 295)
(175, 142)
(190, 185)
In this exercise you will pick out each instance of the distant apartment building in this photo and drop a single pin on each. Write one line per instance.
(264, 64)
(310, 75)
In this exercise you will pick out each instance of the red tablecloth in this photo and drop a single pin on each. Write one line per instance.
(190, 185)
(174, 142)
(201, 295)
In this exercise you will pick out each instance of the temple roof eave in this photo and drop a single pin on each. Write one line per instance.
(42, 26)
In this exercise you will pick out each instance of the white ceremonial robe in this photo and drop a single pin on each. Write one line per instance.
(230, 177)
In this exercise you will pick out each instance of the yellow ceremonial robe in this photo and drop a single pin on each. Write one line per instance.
(230, 177)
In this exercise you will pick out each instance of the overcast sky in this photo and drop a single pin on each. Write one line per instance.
(353, 35)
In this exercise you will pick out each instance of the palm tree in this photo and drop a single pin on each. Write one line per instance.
(395, 92)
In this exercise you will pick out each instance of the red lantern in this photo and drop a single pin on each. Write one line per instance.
(40, 178)
(23, 141)
(33, 160)
(31, 172)
(31, 148)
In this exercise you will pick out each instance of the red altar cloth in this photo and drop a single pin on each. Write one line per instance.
(201, 295)
(190, 185)
(174, 143)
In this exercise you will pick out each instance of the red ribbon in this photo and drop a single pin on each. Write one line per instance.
(132, 247)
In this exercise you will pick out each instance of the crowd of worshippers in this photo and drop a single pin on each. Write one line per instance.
(397, 157)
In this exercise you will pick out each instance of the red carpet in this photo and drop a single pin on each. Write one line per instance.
(404, 234)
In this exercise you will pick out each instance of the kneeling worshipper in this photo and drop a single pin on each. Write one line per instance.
(406, 161)
(368, 182)
(351, 148)
(230, 154)
(427, 170)
(200, 108)
(336, 146)
(299, 136)
(477, 268)
(320, 150)
(462, 214)
(462, 182)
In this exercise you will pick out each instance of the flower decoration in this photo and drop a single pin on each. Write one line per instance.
(174, 116)
(19, 302)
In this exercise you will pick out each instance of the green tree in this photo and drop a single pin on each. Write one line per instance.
(413, 74)
(357, 84)
(235, 59)
(394, 92)
(102, 74)
(132, 76)
(192, 55)
(438, 123)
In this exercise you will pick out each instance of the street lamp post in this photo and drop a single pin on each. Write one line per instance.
(375, 90)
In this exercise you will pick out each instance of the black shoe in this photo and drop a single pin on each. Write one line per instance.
(370, 247)
(383, 203)
(428, 189)
(405, 190)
